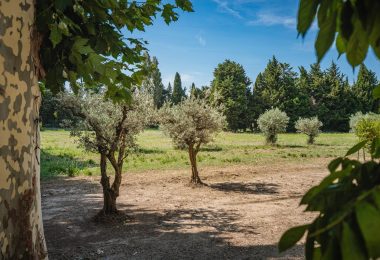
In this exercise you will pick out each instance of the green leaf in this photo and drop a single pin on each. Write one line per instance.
(357, 45)
(368, 218)
(326, 36)
(345, 20)
(80, 45)
(55, 35)
(306, 15)
(168, 14)
(376, 197)
(291, 237)
(376, 92)
(333, 165)
(185, 5)
(356, 148)
(374, 37)
(340, 44)
(350, 244)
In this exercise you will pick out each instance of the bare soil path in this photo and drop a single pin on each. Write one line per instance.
(240, 215)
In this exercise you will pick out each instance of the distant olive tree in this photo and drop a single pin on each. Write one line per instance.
(110, 130)
(310, 127)
(271, 123)
(190, 124)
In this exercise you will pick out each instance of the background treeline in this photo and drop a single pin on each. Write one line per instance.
(309, 92)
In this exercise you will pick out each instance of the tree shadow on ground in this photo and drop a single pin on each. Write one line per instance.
(211, 149)
(183, 233)
(53, 165)
(149, 151)
(244, 187)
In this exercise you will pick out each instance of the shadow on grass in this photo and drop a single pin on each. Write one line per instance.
(211, 149)
(53, 165)
(243, 187)
(149, 151)
(184, 233)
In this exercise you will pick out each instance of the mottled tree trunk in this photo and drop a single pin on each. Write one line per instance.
(21, 230)
(194, 170)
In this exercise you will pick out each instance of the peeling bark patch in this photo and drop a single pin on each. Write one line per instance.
(17, 104)
(4, 110)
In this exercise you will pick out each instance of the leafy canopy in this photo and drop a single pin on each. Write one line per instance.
(191, 122)
(105, 125)
(353, 24)
(85, 41)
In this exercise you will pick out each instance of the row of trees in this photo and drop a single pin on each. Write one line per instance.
(326, 94)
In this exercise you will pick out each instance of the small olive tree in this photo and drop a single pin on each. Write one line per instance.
(190, 124)
(271, 123)
(310, 127)
(109, 129)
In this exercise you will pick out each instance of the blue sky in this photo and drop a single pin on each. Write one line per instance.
(249, 32)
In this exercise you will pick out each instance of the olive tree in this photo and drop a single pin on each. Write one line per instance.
(190, 124)
(271, 123)
(110, 130)
(310, 127)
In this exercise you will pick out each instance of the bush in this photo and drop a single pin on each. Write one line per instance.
(271, 123)
(310, 127)
(355, 118)
(368, 129)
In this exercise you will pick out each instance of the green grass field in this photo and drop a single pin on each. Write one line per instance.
(60, 154)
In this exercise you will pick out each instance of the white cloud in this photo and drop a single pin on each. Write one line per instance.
(270, 19)
(200, 40)
(225, 8)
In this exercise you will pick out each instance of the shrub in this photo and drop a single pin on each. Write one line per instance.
(271, 123)
(355, 118)
(310, 127)
(368, 129)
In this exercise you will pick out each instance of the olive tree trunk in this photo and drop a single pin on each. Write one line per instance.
(109, 196)
(21, 230)
(194, 169)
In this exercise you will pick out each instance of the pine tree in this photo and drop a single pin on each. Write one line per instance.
(363, 88)
(276, 87)
(178, 91)
(229, 89)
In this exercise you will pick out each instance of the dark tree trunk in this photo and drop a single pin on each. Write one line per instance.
(194, 170)
(109, 195)
(310, 140)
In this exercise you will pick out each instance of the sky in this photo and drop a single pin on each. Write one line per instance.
(249, 32)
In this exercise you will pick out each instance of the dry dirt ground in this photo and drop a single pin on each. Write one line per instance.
(240, 215)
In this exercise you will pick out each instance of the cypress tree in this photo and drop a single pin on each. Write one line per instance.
(178, 91)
